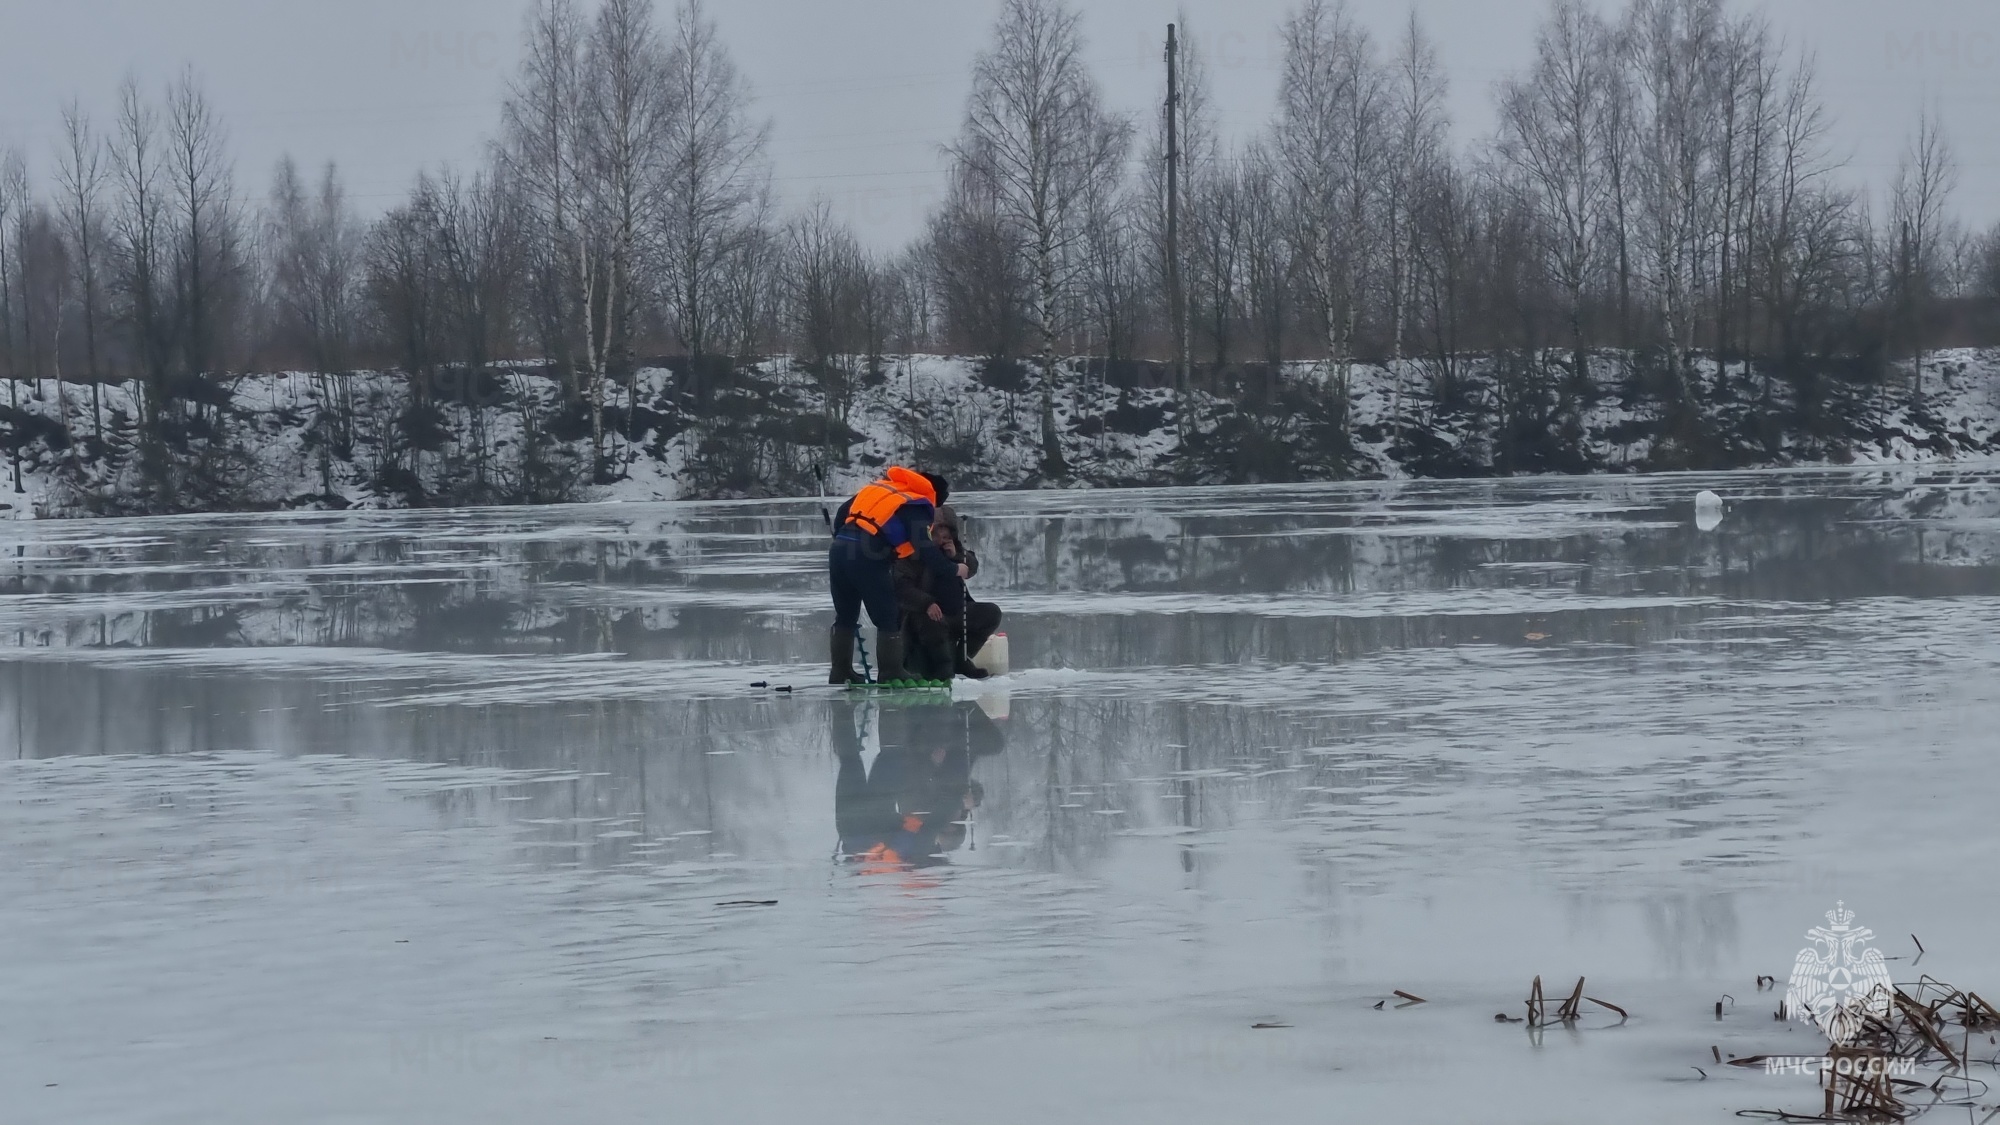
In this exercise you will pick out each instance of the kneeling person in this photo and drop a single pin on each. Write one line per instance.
(942, 625)
(982, 619)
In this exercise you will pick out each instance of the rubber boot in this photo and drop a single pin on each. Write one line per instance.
(962, 662)
(934, 661)
(841, 656)
(889, 658)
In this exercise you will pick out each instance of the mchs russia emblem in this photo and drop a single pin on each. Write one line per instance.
(1839, 979)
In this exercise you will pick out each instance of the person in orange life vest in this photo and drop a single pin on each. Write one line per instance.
(887, 520)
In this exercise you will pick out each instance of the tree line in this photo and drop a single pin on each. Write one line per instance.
(1663, 200)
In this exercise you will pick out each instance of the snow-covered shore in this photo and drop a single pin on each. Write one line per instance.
(768, 429)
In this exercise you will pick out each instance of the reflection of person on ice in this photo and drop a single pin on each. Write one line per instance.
(887, 520)
(912, 806)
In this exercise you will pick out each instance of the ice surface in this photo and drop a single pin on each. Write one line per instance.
(427, 816)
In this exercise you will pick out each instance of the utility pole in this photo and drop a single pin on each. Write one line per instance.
(1176, 301)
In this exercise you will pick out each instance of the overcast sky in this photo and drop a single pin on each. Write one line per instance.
(861, 93)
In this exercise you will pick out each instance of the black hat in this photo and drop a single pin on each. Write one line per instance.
(939, 485)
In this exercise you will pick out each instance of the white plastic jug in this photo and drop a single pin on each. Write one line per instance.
(992, 658)
(1708, 511)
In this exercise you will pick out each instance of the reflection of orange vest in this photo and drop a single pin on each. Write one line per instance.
(875, 505)
(881, 859)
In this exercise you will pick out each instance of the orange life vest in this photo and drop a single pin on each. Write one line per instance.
(876, 504)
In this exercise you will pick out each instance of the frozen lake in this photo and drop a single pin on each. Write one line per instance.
(429, 817)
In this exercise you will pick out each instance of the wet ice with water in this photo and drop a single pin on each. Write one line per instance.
(430, 816)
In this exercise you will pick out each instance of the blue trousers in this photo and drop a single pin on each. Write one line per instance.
(859, 580)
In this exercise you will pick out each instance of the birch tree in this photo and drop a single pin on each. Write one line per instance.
(1671, 47)
(627, 103)
(15, 205)
(542, 154)
(1038, 137)
(1555, 136)
(1417, 128)
(1330, 141)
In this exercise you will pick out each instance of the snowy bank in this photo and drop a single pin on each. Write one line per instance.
(775, 427)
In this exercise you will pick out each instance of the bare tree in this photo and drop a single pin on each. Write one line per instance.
(1925, 179)
(715, 177)
(825, 271)
(1217, 246)
(1671, 52)
(209, 235)
(81, 171)
(313, 240)
(44, 278)
(1986, 283)
(15, 206)
(1555, 135)
(1418, 125)
(140, 231)
(1747, 78)
(315, 247)
(627, 123)
(913, 278)
(979, 271)
(404, 287)
(878, 309)
(1111, 276)
(477, 256)
(1269, 263)
(1446, 275)
(1038, 138)
(1333, 100)
(747, 289)
(542, 153)
(1621, 145)
(1803, 220)
(35, 274)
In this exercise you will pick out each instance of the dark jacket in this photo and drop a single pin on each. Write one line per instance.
(918, 587)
